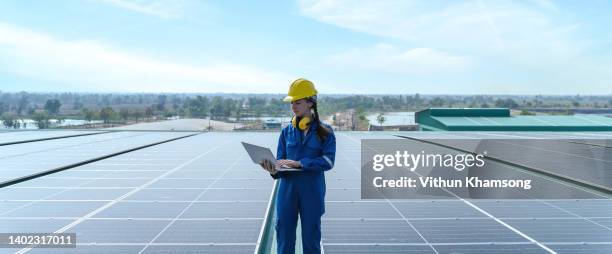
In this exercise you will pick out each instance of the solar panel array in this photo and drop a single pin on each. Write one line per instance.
(202, 194)
(352, 225)
(573, 156)
(24, 159)
(7, 137)
(198, 193)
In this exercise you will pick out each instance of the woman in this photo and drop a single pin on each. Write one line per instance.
(310, 145)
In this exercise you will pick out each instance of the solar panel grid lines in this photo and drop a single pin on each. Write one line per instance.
(584, 151)
(228, 197)
(89, 142)
(57, 166)
(19, 137)
(590, 179)
(30, 202)
(437, 245)
(353, 167)
(515, 230)
(84, 142)
(601, 211)
(191, 204)
(194, 215)
(396, 210)
(249, 225)
(47, 145)
(576, 215)
(411, 226)
(109, 204)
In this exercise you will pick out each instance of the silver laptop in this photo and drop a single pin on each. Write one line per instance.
(259, 153)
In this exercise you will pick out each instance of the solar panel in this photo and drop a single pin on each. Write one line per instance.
(22, 160)
(584, 160)
(202, 194)
(453, 225)
(11, 137)
(111, 210)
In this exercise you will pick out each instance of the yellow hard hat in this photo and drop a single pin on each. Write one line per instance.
(300, 89)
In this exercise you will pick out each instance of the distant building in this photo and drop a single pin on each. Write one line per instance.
(394, 121)
(346, 120)
(272, 124)
(410, 127)
(499, 119)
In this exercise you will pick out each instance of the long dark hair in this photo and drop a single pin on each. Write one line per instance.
(322, 131)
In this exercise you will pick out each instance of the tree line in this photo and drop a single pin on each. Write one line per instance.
(111, 108)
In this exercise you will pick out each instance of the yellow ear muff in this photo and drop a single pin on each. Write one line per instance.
(303, 124)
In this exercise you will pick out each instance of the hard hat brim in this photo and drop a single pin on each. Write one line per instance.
(295, 98)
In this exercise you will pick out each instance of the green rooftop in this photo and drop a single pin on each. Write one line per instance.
(499, 119)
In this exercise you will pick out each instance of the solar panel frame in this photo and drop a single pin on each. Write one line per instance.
(18, 137)
(441, 217)
(419, 226)
(19, 163)
(107, 217)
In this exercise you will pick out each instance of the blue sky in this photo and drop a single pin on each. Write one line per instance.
(430, 47)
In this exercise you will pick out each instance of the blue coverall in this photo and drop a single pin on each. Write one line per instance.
(303, 191)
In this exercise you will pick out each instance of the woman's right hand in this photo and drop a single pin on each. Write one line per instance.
(268, 166)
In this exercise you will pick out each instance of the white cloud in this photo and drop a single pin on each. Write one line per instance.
(87, 65)
(531, 46)
(491, 28)
(387, 58)
(159, 8)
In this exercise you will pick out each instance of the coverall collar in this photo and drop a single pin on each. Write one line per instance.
(311, 128)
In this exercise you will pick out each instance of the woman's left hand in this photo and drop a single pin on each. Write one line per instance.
(290, 163)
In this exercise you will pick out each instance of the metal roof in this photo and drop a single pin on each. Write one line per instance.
(499, 119)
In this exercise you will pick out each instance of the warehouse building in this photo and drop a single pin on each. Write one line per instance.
(499, 119)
